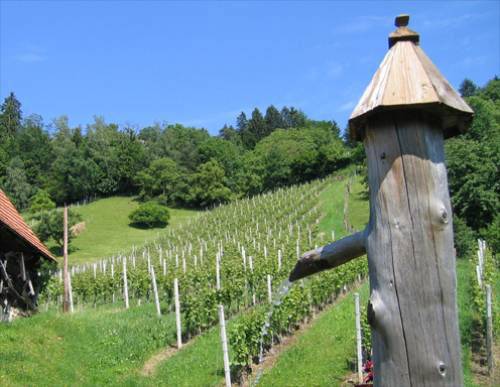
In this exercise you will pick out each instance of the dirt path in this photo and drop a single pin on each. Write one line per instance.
(479, 369)
(154, 361)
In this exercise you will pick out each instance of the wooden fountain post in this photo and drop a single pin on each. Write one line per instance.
(402, 118)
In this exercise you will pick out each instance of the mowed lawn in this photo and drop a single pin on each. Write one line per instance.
(108, 232)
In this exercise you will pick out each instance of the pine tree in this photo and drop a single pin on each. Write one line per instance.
(297, 118)
(10, 116)
(468, 88)
(256, 129)
(241, 122)
(285, 117)
(273, 119)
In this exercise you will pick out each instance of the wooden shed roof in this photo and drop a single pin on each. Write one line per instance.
(407, 78)
(11, 219)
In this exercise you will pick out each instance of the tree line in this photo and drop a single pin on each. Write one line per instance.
(473, 161)
(173, 164)
(184, 166)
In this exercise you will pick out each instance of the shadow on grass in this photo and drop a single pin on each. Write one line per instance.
(142, 226)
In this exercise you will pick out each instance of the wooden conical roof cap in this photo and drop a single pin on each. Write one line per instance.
(407, 79)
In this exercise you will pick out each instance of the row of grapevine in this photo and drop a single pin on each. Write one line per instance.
(483, 319)
(248, 338)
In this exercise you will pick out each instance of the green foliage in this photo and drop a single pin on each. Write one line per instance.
(464, 238)
(40, 202)
(468, 88)
(296, 155)
(209, 185)
(73, 164)
(273, 120)
(489, 277)
(10, 116)
(150, 214)
(50, 225)
(492, 235)
(473, 160)
(15, 184)
(160, 178)
(35, 149)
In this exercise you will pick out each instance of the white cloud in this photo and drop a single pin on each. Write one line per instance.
(349, 105)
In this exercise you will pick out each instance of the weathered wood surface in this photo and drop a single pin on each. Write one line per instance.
(66, 303)
(413, 308)
(330, 256)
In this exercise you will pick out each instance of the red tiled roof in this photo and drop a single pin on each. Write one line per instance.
(13, 220)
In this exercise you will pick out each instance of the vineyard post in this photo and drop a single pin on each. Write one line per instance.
(402, 118)
(358, 338)
(65, 259)
(217, 271)
(269, 289)
(125, 283)
(250, 263)
(489, 330)
(113, 279)
(225, 352)
(279, 260)
(70, 294)
(155, 291)
(177, 313)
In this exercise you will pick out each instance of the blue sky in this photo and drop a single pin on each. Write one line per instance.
(201, 63)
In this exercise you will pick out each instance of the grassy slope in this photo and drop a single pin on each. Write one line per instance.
(464, 300)
(107, 229)
(320, 355)
(94, 347)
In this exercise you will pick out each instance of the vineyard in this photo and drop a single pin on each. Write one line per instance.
(111, 343)
(238, 256)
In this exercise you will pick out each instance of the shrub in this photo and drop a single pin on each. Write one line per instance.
(492, 235)
(41, 201)
(464, 238)
(150, 214)
(50, 225)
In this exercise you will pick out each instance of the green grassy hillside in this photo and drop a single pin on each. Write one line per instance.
(107, 230)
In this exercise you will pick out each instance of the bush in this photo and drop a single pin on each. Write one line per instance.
(150, 214)
(50, 225)
(41, 201)
(465, 239)
(492, 235)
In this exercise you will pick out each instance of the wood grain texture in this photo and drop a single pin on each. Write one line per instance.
(413, 308)
(329, 256)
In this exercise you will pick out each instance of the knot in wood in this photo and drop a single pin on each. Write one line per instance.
(442, 369)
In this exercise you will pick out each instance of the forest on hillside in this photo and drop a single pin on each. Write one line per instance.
(183, 166)
(179, 165)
